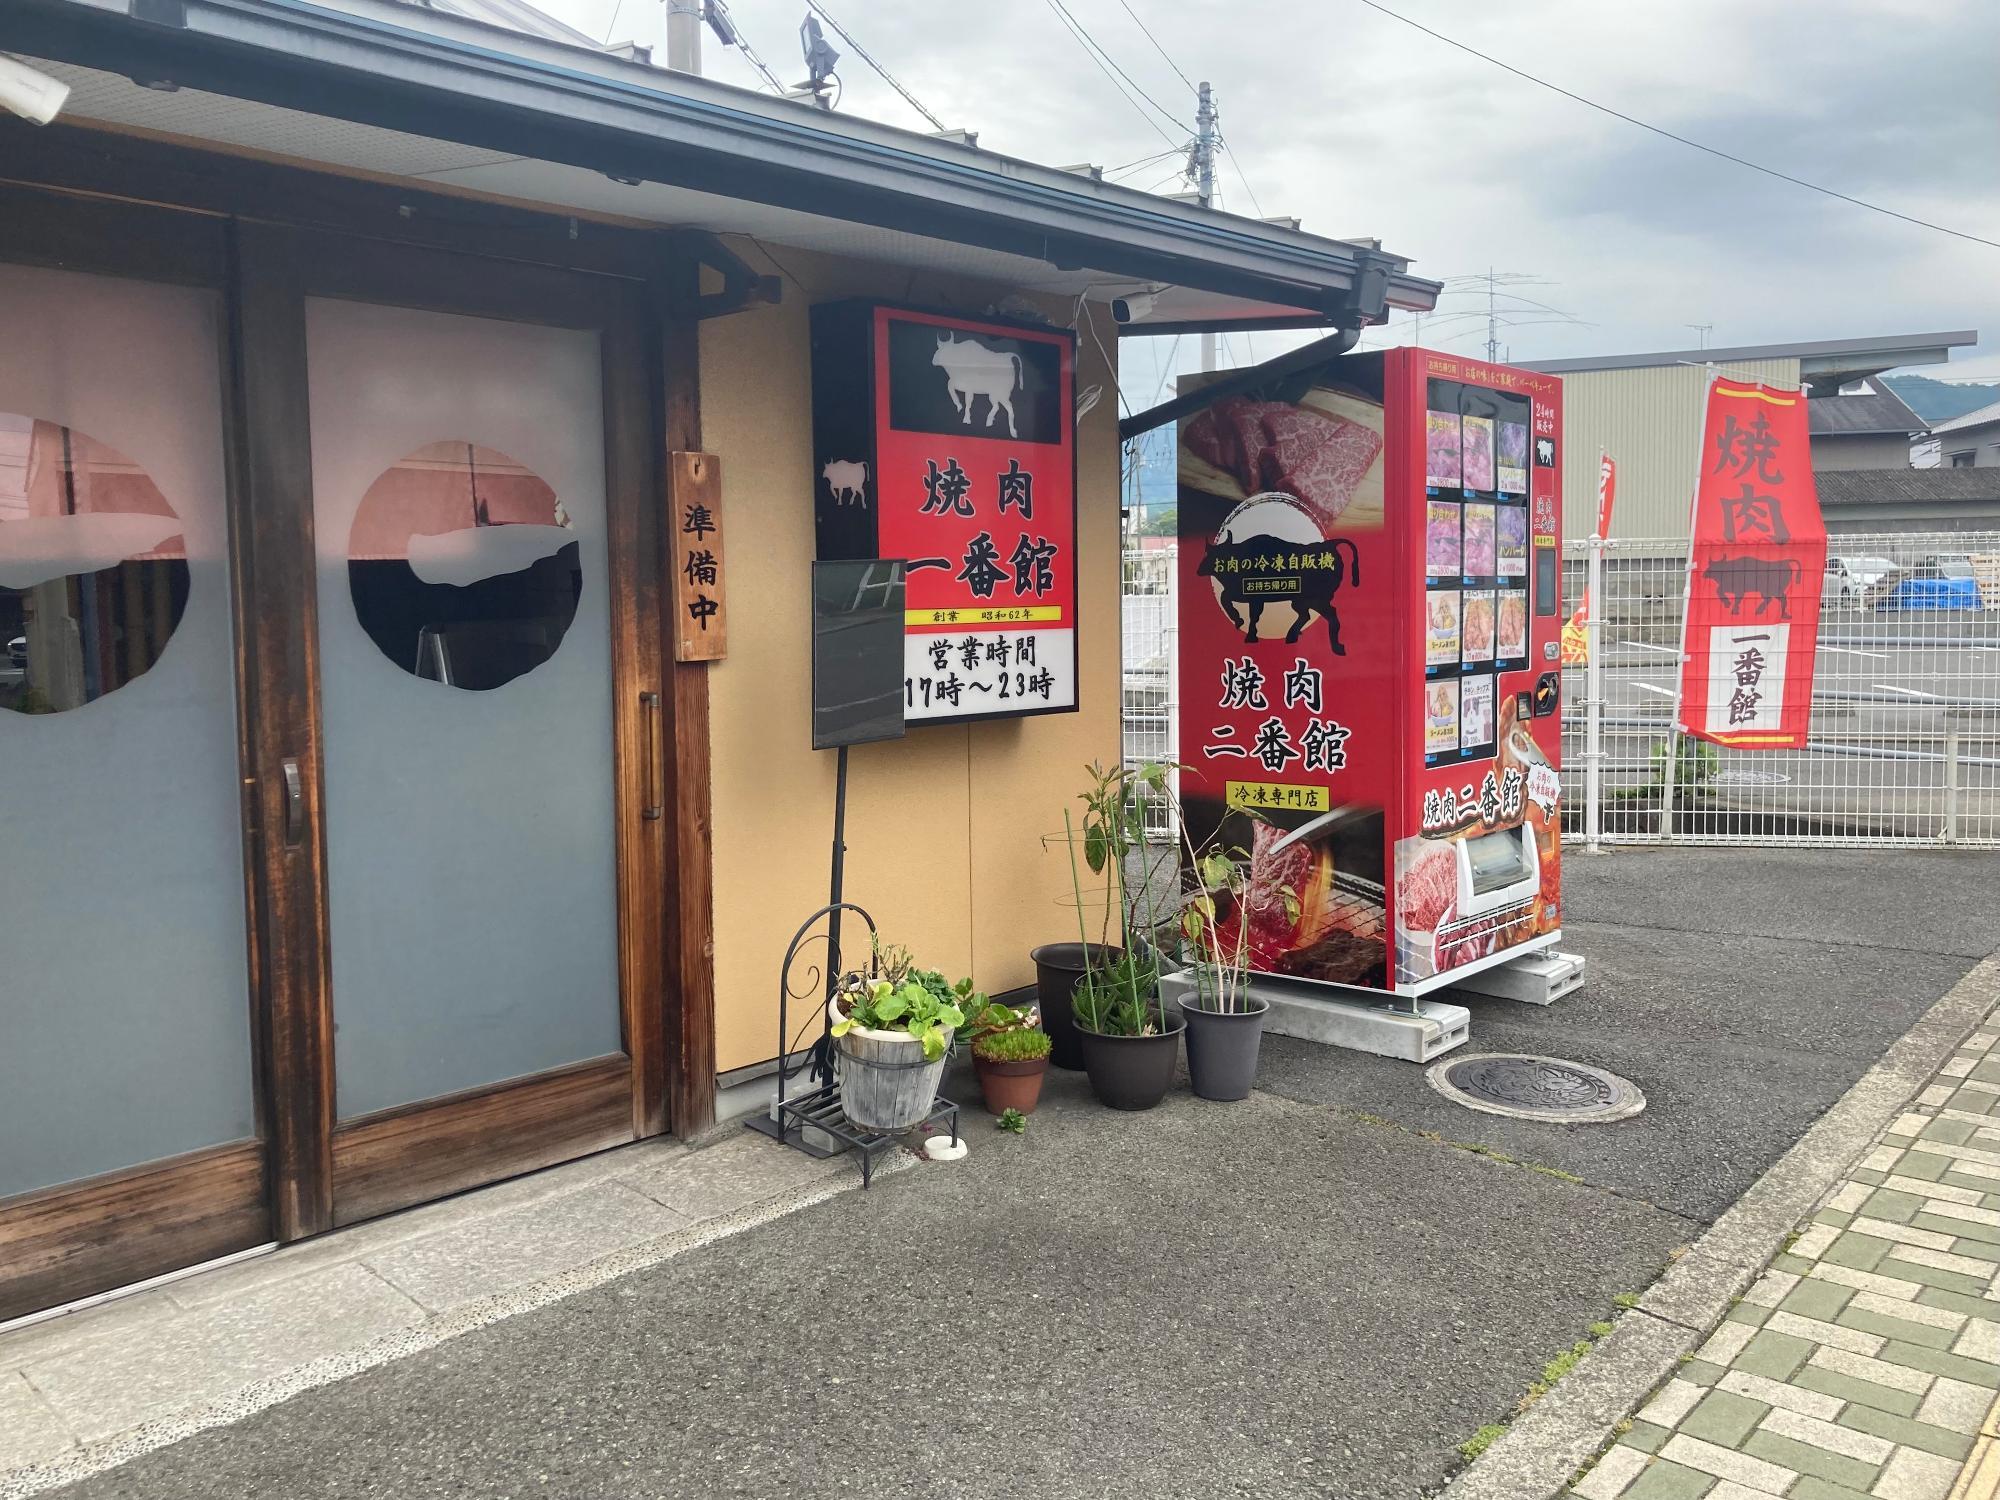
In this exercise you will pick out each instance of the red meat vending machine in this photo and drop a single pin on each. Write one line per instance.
(1370, 684)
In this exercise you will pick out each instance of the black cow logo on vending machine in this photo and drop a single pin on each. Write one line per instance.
(1270, 551)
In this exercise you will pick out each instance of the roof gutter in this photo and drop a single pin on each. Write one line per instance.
(558, 104)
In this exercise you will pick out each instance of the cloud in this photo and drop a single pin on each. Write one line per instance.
(1362, 125)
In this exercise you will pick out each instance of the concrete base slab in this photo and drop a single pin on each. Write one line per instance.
(1385, 1028)
(1537, 979)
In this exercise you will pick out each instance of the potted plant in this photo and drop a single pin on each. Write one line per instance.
(1112, 826)
(1011, 1065)
(1225, 1022)
(892, 1034)
(1010, 1054)
(1128, 1041)
(1130, 1044)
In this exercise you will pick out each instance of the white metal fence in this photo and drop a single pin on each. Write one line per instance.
(1152, 674)
(1905, 735)
(1904, 742)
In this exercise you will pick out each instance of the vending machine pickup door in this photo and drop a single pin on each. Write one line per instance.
(1497, 870)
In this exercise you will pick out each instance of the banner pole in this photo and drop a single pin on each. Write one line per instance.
(1593, 683)
(1687, 600)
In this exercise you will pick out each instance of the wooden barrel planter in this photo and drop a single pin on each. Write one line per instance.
(886, 1084)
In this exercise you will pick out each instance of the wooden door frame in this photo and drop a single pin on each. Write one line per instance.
(414, 1152)
(88, 200)
(74, 1239)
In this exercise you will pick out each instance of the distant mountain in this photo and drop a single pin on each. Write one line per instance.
(1941, 400)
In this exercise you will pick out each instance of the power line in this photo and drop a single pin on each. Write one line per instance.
(1091, 45)
(1230, 152)
(1156, 45)
(887, 77)
(1150, 121)
(1144, 161)
(1683, 140)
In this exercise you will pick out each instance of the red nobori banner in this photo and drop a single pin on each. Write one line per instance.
(1756, 566)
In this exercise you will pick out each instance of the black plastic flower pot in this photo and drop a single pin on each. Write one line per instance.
(1058, 971)
(1131, 1072)
(1222, 1048)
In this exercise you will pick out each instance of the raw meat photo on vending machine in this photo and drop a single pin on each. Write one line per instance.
(1511, 541)
(1443, 462)
(1320, 450)
(1478, 466)
(1480, 554)
(1441, 538)
(1314, 906)
(1512, 462)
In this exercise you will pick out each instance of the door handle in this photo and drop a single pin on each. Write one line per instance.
(295, 803)
(649, 707)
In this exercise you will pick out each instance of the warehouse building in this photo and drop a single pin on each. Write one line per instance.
(1645, 410)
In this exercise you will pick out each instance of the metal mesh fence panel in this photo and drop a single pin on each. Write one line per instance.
(1904, 743)
(1151, 672)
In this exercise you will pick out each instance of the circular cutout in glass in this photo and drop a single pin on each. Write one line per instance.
(93, 568)
(1527, 1087)
(464, 567)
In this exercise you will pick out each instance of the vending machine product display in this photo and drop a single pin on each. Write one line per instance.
(1369, 665)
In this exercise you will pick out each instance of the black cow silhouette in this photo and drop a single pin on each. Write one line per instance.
(1261, 570)
(1735, 578)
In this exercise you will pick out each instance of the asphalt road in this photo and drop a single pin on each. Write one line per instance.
(1302, 1295)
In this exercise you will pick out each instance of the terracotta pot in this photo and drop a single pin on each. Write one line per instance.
(1010, 1085)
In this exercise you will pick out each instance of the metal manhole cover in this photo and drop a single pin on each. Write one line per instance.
(1734, 777)
(1526, 1087)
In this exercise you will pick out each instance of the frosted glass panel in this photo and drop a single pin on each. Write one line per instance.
(465, 657)
(122, 970)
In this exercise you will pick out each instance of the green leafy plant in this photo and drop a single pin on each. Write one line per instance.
(894, 963)
(1018, 1045)
(908, 1007)
(1695, 763)
(1012, 1120)
(1117, 996)
(983, 1016)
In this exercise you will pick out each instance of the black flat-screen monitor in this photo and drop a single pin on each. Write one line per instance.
(857, 680)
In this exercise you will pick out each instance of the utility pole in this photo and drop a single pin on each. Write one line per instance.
(1204, 181)
(684, 36)
(1492, 322)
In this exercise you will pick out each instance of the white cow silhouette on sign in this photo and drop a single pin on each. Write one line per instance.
(848, 480)
(972, 370)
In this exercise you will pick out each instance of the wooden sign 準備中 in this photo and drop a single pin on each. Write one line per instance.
(701, 612)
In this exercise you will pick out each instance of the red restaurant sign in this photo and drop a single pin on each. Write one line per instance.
(1755, 569)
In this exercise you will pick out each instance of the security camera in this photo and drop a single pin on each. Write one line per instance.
(31, 95)
(1134, 309)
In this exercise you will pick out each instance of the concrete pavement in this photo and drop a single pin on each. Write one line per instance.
(1320, 1291)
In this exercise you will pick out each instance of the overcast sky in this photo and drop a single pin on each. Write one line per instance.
(1360, 125)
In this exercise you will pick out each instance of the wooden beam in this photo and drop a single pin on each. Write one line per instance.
(418, 1152)
(143, 170)
(71, 1241)
(277, 625)
(690, 913)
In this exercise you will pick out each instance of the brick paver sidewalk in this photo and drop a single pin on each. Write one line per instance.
(1866, 1359)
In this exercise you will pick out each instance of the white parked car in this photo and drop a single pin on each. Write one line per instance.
(1848, 579)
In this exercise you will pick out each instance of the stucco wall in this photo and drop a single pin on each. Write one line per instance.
(944, 827)
(1863, 450)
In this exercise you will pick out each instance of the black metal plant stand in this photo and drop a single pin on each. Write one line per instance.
(814, 1122)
